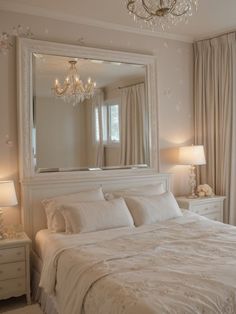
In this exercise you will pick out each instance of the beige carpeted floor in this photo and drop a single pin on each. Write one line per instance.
(30, 309)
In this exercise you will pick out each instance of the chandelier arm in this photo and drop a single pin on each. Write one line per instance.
(60, 91)
(151, 14)
(129, 7)
(170, 10)
(147, 9)
(180, 14)
(173, 5)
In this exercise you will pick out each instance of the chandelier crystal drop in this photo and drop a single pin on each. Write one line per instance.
(161, 13)
(73, 90)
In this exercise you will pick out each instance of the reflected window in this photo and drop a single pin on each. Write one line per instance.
(97, 129)
(110, 120)
(114, 123)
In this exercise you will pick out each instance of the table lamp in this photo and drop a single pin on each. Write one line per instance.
(7, 199)
(193, 156)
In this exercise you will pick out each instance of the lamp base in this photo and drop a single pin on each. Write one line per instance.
(192, 182)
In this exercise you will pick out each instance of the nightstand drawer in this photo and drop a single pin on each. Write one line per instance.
(12, 270)
(205, 209)
(12, 287)
(12, 255)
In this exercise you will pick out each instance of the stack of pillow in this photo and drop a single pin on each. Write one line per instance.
(88, 211)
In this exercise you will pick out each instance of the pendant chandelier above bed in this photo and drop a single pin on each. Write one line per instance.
(73, 89)
(161, 13)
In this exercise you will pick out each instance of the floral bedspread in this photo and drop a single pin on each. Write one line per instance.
(184, 265)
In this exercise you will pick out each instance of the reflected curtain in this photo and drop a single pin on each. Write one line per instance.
(134, 117)
(215, 116)
(97, 104)
(95, 147)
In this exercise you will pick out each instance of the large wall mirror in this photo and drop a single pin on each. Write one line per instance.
(84, 109)
(76, 129)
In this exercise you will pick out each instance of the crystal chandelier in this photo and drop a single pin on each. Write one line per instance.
(73, 90)
(161, 13)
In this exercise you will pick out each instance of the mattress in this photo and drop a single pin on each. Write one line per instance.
(184, 265)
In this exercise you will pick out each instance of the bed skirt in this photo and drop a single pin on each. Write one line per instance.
(47, 303)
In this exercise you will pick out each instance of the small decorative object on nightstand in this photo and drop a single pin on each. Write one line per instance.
(15, 268)
(204, 190)
(210, 207)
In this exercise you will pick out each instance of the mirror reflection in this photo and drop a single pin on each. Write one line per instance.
(88, 114)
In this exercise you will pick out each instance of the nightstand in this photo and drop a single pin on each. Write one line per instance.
(210, 207)
(15, 267)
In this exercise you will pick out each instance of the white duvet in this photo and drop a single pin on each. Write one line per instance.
(184, 265)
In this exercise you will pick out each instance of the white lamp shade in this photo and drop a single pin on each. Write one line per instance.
(192, 155)
(7, 194)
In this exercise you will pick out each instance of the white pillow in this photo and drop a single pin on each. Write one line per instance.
(100, 215)
(55, 220)
(150, 189)
(154, 208)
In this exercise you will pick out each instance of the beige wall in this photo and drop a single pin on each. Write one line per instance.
(175, 80)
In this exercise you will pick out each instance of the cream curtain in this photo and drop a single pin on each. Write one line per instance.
(134, 117)
(215, 116)
(95, 145)
(98, 103)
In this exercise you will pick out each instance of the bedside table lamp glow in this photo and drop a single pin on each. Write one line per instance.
(193, 156)
(7, 199)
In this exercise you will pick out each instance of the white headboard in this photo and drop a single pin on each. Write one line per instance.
(35, 189)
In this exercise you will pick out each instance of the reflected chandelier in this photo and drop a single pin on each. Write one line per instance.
(73, 90)
(161, 13)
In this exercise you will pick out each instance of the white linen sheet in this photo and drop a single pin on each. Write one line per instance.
(184, 265)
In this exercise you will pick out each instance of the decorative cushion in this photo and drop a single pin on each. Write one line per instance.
(55, 220)
(152, 209)
(94, 216)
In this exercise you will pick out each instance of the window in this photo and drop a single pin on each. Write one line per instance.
(114, 123)
(110, 124)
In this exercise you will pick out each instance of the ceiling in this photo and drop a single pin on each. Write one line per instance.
(213, 16)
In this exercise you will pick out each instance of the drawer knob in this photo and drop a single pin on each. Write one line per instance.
(18, 269)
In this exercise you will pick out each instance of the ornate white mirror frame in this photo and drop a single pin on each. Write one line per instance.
(26, 48)
(37, 186)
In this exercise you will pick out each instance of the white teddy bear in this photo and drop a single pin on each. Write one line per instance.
(204, 190)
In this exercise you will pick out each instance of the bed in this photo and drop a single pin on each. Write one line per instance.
(182, 265)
